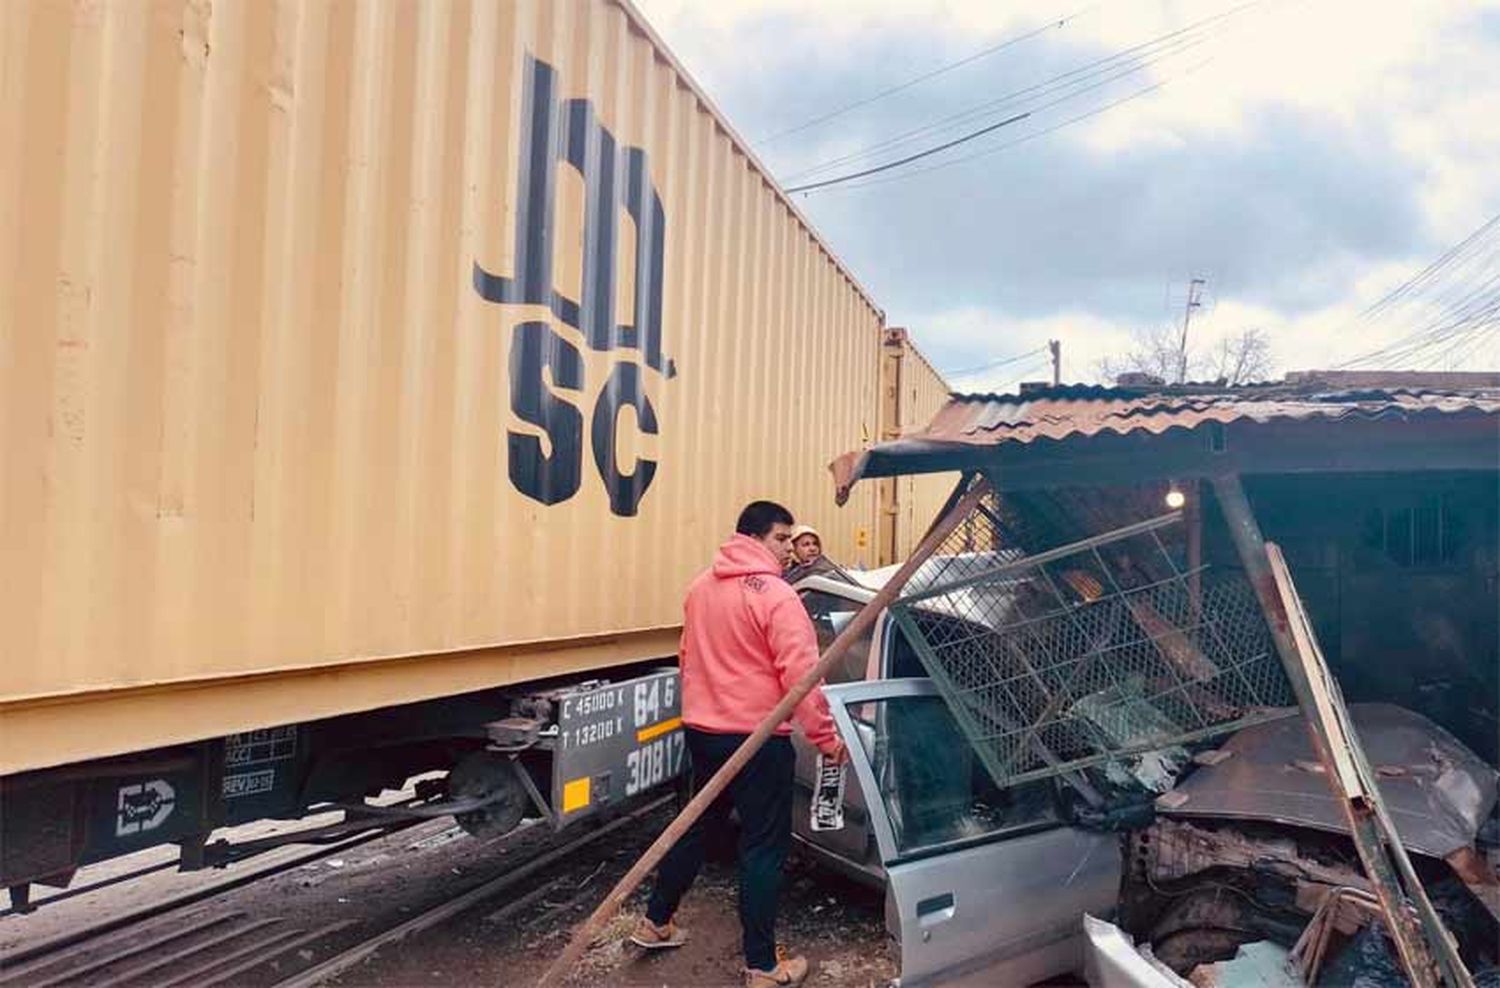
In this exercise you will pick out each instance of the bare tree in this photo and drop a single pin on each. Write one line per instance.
(1239, 358)
(1242, 358)
(1153, 352)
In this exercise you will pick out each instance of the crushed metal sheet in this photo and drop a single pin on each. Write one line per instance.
(1438, 792)
(1112, 960)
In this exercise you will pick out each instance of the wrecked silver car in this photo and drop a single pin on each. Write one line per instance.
(989, 886)
(1241, 845)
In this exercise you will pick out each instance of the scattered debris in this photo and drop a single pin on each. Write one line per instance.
(1254, 965)
(448, 836)
(1113, 960)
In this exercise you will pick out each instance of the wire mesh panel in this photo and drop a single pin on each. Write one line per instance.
(1112, 646)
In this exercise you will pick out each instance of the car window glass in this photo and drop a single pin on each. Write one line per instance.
(830, 615)
(934, 788)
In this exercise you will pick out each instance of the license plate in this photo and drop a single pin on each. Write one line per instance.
(828, 795)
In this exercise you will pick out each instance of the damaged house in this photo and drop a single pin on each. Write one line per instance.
(1145, 606)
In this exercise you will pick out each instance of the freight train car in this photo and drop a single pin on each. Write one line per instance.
(374, 378)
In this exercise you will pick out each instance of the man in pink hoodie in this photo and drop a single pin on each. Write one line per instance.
(746, 639)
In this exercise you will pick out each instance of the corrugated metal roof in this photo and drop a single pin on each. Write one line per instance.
(1063, 413)
(1069, 413)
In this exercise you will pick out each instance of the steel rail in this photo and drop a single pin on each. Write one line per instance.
(30, 958)
(461, 903)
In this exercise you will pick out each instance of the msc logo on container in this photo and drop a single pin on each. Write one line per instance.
(616, 179)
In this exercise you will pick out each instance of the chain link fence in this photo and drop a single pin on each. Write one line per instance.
(1091, 652)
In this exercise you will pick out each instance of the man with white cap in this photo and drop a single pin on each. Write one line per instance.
(807, 555)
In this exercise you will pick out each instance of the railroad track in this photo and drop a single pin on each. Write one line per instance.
(199, 940)
(244, 877)
(14, 960)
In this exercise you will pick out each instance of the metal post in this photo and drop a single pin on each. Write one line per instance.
(856, 628)
(1194, 522)
(1055, 346)
(1362, 808)
(1187, 316)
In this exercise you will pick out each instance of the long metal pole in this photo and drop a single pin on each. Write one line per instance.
(720, 780)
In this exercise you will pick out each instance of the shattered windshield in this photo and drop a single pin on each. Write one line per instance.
(936, 792)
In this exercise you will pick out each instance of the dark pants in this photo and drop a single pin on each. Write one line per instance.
(762, 795)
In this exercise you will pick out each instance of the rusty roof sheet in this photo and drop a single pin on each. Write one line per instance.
(990, 419)
(1067, 413)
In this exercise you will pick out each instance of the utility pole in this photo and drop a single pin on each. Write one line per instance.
(1194, 300)
(1056, 347)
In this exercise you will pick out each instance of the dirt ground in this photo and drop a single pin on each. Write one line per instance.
(836, 924)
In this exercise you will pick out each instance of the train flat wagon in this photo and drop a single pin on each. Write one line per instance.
(373, 378)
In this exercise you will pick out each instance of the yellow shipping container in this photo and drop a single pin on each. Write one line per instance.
(912, 391)
(355, 353)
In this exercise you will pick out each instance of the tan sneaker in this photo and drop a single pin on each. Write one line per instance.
(788, 971)
(649, 936)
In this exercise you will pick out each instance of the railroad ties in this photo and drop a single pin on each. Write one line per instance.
(211, 937)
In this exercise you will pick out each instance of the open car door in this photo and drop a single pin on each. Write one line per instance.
(831, 605)
(983, 886)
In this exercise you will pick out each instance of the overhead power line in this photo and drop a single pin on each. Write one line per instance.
(992, 364)
(1034, 135)
(1451, 307)
(1032, 372)
(924, 77)
(1112, 74)
(1426, 274)
(911, 157)
(1070, 90)
(1137, 57)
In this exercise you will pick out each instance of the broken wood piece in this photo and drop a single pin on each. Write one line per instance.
(1479, 876)
(1425, 947)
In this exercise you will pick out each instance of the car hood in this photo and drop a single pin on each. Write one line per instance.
(1437, 791)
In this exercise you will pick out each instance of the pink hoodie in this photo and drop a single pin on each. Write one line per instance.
(746, 640)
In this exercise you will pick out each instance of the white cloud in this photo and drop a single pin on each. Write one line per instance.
(1406, 89)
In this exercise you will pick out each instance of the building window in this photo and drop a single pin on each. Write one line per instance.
(1426, 533)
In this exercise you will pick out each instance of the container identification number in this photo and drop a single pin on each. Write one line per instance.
(653, 698)
(654, 762)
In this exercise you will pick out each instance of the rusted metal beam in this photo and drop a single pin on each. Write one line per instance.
(1426, 950)
(861, 624)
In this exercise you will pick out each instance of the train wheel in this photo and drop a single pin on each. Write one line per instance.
(487, 775)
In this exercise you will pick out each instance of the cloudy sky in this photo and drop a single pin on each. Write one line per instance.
(1303, 157)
